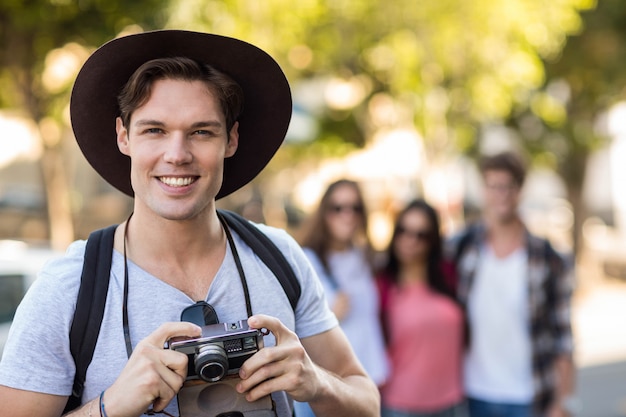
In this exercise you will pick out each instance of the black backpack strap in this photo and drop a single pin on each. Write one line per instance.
(267, 251)
(94, 285)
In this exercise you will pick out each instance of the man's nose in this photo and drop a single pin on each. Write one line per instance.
(178, 149)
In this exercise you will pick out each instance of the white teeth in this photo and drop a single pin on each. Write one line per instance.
(176, 181)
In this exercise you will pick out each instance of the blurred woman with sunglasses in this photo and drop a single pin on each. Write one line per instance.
(336, 242)
(423, 324)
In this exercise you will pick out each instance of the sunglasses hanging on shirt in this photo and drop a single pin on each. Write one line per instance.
(200, 313)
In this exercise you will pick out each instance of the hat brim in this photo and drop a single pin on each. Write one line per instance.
(262, 125)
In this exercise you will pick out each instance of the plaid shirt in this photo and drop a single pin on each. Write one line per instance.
(550, 287)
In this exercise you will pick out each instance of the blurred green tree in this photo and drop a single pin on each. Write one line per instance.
(559, 125)
(42, 45)
(447, 68)
(453, 64)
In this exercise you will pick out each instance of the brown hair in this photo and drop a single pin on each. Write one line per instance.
(137, 90)
(316, 235)
(505, 161)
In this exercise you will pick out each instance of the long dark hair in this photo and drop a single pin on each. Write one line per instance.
(436, 278)
(316, 234)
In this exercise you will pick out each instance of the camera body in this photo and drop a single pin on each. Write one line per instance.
(219, 351)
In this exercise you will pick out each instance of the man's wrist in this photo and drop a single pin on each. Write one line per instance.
(103, 412)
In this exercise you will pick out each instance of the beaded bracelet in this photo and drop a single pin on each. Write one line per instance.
(103, 412)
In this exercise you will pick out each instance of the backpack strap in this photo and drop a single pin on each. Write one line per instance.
(94, 285)
(267, 251)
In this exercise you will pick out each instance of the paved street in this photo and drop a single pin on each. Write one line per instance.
(602, 389)
(599, 320)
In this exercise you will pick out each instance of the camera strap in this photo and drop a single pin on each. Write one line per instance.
(129, 346)
(233, 248)
(242, 275)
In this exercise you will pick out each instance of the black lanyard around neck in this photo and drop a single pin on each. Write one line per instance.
(233, 248)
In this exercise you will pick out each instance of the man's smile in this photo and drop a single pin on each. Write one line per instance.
(177, 181)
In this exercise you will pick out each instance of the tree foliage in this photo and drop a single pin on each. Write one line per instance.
(42, 44)
(451, 64)
(583, 82)
(31, 29)
(444, 67)
(559, 123)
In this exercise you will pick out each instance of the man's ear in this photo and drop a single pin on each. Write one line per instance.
(122, 137)
(233, 141)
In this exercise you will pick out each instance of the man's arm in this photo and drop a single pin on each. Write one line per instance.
(321, 370)
(565, 403)
(346, 388)
(20, 403)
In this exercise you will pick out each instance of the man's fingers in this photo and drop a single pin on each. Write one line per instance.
(175, 361)
(166, 393)
(172, 329)
(263, 388)
(274, 325)
(170, 385)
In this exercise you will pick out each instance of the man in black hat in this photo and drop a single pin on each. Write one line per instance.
(174, 102)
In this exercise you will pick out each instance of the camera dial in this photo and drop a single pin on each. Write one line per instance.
(211, 362)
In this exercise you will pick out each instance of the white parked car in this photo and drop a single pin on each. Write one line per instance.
(19, 264)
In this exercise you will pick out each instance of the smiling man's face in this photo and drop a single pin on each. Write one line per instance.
(177, 142)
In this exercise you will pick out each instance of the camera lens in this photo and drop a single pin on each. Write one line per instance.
(211, 362)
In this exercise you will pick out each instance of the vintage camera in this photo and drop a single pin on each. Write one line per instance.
(214, 360)
(220, 350)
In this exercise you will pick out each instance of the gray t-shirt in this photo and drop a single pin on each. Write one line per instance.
(37, 355)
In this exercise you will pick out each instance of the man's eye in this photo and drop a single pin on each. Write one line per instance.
(153, 130)
(204, 133)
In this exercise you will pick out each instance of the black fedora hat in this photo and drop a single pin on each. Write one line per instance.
(262, 125)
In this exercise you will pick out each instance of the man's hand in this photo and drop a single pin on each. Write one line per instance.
(153, 375)
(284, 367)
(321, 370)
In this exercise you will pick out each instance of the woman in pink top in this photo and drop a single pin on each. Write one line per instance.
(424, 325)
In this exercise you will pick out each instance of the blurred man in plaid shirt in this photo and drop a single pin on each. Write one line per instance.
(516, 290)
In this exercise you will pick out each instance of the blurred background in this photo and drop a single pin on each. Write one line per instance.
(399, 95)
